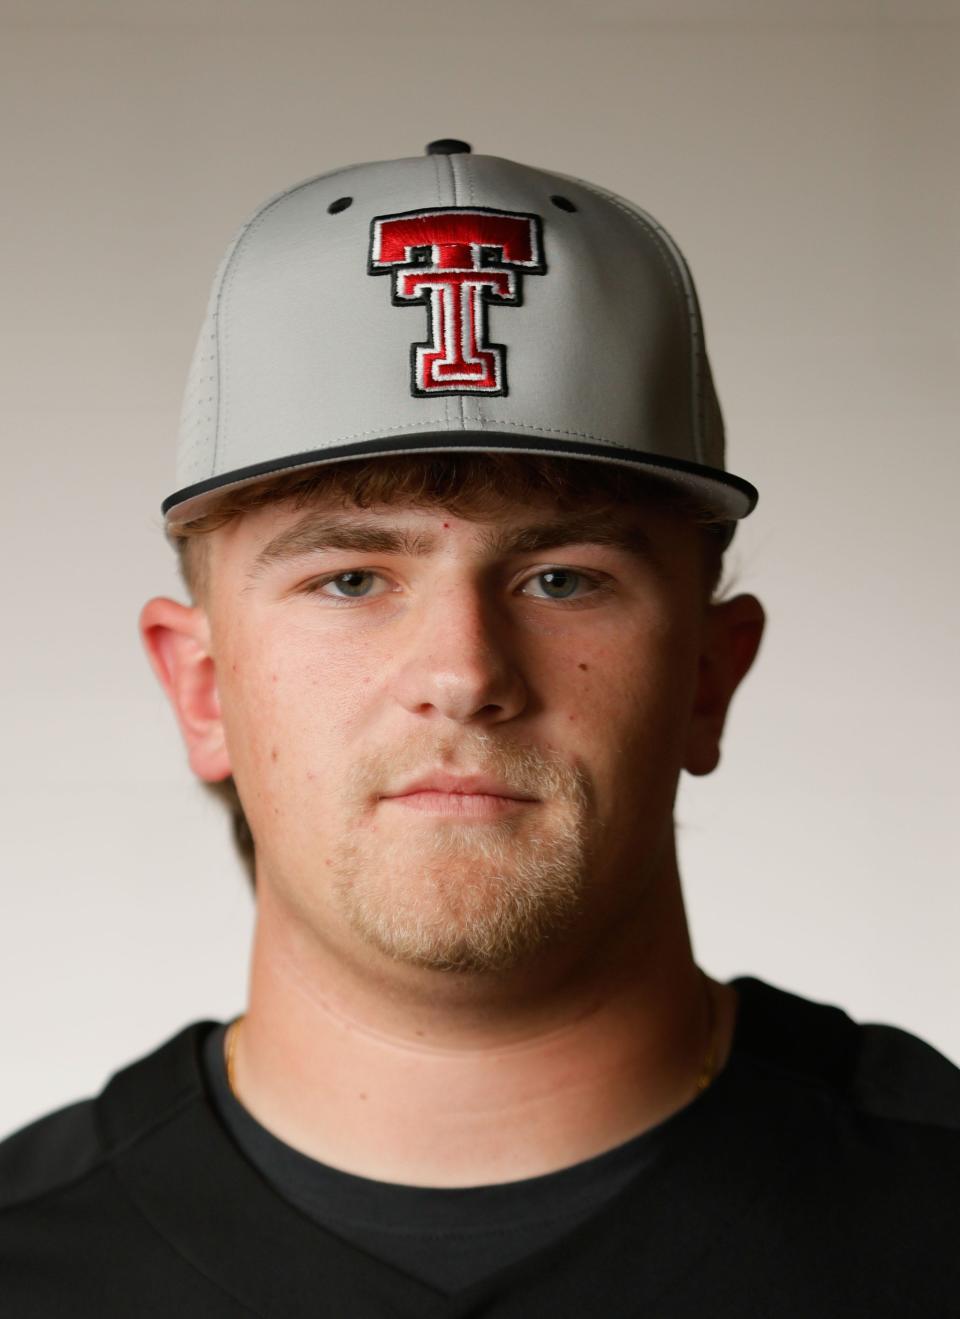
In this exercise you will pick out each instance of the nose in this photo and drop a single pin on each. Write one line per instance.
(458, 658)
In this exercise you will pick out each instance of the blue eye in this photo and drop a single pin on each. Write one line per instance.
(560, 585)
(340, 579)
(559, 574)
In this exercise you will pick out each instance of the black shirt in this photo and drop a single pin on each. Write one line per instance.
(818, 1176)
(447, 1236)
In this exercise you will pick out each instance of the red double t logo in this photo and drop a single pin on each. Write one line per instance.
(457, 261)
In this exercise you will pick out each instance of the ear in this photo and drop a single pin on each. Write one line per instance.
(731, 638)
(177, 642)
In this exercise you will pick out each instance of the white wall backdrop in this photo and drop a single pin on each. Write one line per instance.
(804, 157)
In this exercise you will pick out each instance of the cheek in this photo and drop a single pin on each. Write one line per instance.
(642, 667)
(290, 718)
(628, 702)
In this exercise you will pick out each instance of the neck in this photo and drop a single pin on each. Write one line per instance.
(434, 1080)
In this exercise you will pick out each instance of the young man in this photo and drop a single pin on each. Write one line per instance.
(452, 539)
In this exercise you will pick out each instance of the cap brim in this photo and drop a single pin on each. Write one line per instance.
(731, 496)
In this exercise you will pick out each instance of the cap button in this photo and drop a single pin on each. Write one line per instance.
(446, 146)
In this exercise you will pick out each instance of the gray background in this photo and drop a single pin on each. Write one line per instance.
(804, 157)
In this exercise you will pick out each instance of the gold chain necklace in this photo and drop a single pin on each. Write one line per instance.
(707, 1070)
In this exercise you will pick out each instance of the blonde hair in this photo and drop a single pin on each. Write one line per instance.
(469, 485)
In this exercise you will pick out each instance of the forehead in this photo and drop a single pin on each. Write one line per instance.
(283, 530)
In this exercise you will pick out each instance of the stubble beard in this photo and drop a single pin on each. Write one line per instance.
(444, 894)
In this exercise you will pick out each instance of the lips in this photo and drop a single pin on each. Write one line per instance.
(467, 785)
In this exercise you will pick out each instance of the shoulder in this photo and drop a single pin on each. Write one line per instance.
(52, 1152)
(901, 1077)
(872, 1069)
(68, 1146)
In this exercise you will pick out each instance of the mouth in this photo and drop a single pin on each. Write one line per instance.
(468, 785)
(465, 805)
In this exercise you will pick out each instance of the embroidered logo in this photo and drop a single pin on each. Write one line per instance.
(457, 261)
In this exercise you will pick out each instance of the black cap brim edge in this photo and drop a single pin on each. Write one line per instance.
(732, 495)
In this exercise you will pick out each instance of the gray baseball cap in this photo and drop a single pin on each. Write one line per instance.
(450, 302)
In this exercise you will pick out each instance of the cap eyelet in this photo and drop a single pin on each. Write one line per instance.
(340, 204)
(563, 203)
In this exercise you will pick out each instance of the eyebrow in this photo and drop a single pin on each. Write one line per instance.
(317, 532)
